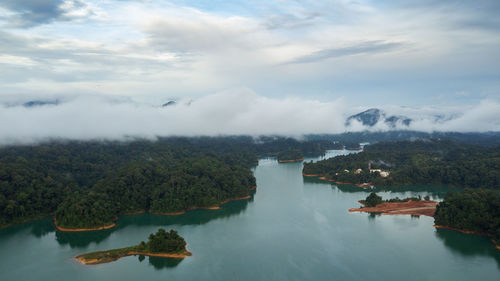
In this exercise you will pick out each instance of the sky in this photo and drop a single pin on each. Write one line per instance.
(419, 57)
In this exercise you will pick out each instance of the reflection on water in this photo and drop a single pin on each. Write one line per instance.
(38, 228)
(162, 263)
(372, 216)
(468, 244)
(82, 239)
(42, 227)
(296, 229)
(436, 192)
(195, 217)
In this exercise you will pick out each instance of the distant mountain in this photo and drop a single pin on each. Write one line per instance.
(34, 103)
(373, 116)
(172, 102)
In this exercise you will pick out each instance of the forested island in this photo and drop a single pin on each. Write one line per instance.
(87, 185)
(290, 156)
(471, 211)
(433, 162)
(161, 244)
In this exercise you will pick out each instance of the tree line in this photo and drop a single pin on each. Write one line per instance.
(475, 210)
(88, 184)
(436, 162)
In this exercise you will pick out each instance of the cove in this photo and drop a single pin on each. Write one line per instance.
(293, 228)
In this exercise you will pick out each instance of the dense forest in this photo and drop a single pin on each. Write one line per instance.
(483, 139)
(471, 210)
(290, 156)
(436, 162)
(163, 242)
(88, 184)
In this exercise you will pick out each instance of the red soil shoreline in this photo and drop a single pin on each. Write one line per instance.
(290, 161)
(133, 253)
(134, 213)
(324, 178)
(497, 245)
(60, 228)
(217, 207)
(416, 208)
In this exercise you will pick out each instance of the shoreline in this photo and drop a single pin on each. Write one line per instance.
(26, 220)
(216, 207)
(85, 261)
(460, 230)
(497, 245)
(324, 178)
(414, 208)
(134, 213)
(369, 184)
(65, 229)
(60, 228)
(290, 161)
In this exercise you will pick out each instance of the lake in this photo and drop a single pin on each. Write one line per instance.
(292, 229)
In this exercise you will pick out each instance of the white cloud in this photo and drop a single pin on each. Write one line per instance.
(401, 54)
(232, 112)
(479, 118)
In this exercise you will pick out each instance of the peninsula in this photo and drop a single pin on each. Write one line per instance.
(422, 162)
(162, 244)
(408, 206)
(471, 211)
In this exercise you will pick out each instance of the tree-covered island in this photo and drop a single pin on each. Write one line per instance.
(161, 244)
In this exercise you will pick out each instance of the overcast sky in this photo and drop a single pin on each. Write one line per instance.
(417, 53)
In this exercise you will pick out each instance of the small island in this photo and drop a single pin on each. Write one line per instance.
(290, 156)
(414, 206)
(162, 244)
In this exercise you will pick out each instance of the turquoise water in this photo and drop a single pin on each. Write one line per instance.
(292, 229)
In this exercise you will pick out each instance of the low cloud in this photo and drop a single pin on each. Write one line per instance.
(369, 47)
(232, 112)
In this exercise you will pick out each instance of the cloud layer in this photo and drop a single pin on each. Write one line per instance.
(411, 53)
(234, 112)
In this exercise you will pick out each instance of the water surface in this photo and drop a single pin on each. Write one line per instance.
(292, 229)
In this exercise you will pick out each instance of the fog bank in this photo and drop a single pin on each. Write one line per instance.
(233, 112)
